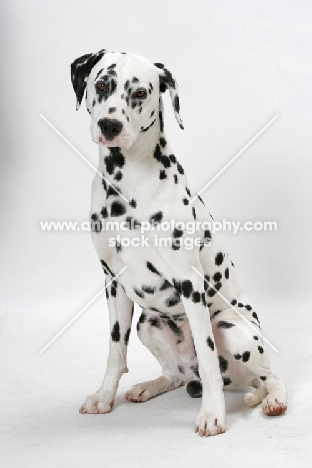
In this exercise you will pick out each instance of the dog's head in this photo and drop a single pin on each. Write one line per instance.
(122, 94)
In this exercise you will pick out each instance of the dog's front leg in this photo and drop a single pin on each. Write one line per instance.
(120, 316)
(211, 418)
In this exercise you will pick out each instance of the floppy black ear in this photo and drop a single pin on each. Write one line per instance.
(166, 81)
(80, 70)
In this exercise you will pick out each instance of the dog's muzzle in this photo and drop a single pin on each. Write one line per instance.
(110, 128)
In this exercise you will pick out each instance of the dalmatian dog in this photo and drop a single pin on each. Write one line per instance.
(196, 319)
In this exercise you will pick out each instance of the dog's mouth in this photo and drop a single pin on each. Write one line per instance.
(122, 141)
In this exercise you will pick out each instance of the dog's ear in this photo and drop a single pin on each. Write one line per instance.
(80, 71)
(166, 81)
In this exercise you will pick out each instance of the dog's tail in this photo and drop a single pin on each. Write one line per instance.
(194, 388)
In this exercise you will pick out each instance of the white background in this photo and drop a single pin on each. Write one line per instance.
(238, 64)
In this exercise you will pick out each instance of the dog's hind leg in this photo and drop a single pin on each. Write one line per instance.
(247, 349)
(167, 340)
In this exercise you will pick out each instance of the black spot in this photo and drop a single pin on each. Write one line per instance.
(161, 121)
(177, 233)
(147, 128)
(216, 313)
(210, 343)
(117, 208)
(98, 73)
(226, 381)
(159, 65)
(127, 84)
(200, 198)
(118, 175)
(154, 322)
(112, 190)
(223, 364)
(248, 307)
(237, 356)
(152, 113)
(93, 102)
(156, 218)
(206, 282)
(173, 300)
(240, 304)
(111, 110)
(227, 273)
(162, 175)
(218, 286)
(104, 212)
(106, 268)
(172, 158)
(219, 258)
(207, 236)
(152, 268)
(194, 389)
(255, 316)
(176, 103)
(162, 142)
(212, 292)
(217, 276)
(135, 79)
(255, 338)
(165, 285)
(133, 203)
(174, 327)
(246, 356)
(148, 289)
(138, 293)
(203, 298)
(194, 368)
(187, 288)
(180, 168)
(196, 296)
(185, 201)
(126, 337)
(142, 318)
(165, 161)
(262, 377)
(194, 213)
(224, 324)
(177, 285)
(188, 191)
(115, 159)
(234, 302)
(118, 246)
(175, 178)
(261, 350)
(181, 369)
(116, 332)
(132, 223)
(96, 224)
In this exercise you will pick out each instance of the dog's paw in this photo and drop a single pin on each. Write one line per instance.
(139, 393)
(276, 401)
(96, 404)
(208, 424)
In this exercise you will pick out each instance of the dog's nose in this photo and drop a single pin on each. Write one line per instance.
(110, 128)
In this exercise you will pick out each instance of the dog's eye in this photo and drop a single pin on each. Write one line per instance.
(101, 86)
(140, 93)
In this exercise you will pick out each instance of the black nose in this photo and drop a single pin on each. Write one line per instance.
(110, 128)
